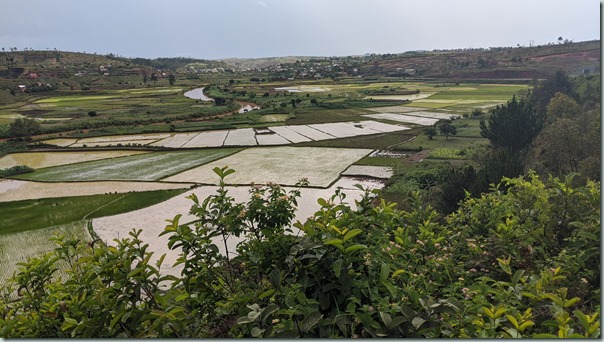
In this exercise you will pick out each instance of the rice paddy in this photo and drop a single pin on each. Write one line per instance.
(116, 181)
(144, 167)
(282, 165)
(18, 190)
(18, 247)
(152, 218)
(38, 160)
(284, 135)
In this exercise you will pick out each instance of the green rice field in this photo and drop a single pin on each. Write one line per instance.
(145, 167)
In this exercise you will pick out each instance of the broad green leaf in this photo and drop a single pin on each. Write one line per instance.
(588, 235)
(266, 293)
(69, 324)
(525, 325)
(582, 319)
(544, 336)
(512, 320)
(310, 321)
(256, 332)
(337, 267)
(352, 234)
(386, 318)
(499, 312)
(286, 334)
(384, 271)
(270, 309)
(134, 272)
(397, 273)
(396, 321)
(417, 322)
(333, 241)
(554, 298)
(244, 320)
(516, 277)
(354, 248)
(322, 202)
(488, 312)
(571, 302)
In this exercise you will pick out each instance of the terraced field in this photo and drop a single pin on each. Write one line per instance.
(39, 160)
(282, 165)
(278, 135)
(18, 247)
(146, 167)
(152, 218)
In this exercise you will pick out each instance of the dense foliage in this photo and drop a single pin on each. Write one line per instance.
(518, 263)
(15, 170)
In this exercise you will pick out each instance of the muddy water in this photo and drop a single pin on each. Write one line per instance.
(197, 94)
(247, 107)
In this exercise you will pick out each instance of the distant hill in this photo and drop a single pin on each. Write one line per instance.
(69, 62)
(493, 63)
(262, 63)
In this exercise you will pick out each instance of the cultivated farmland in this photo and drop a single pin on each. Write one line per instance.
(282, 165)
(17, 190)
(147, 167)
(152, 219)
(18, 247)
(38, 160)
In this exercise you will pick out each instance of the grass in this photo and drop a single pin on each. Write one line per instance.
(147, 167)
(379, 161)
(20, 216)
(439, 141)
(445, 153)
(468, 128)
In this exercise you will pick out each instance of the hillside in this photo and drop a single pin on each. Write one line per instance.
(494, 63)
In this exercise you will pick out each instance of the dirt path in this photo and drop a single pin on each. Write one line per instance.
(419, 156)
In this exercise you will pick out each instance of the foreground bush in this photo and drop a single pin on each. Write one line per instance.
(519, 263)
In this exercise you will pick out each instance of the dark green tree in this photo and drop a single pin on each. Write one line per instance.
(23, 128)
(154, 78)
(512, 126)
(172, 79)
(542, 94)
(430, 132)
(446, 129)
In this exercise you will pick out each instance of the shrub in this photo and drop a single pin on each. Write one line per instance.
(15, 170)
(498, 267)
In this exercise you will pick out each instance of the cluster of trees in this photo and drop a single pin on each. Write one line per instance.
(518, 263)
(554, 130)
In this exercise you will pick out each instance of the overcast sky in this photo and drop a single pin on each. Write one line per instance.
(214, 29)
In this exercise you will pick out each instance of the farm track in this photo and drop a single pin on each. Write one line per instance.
(101, 207)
